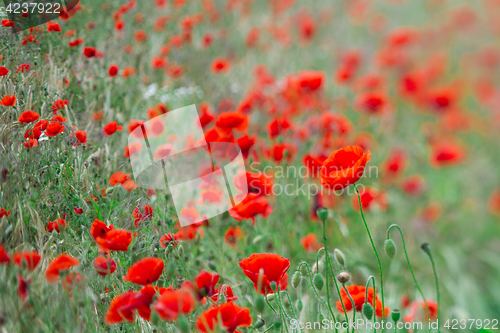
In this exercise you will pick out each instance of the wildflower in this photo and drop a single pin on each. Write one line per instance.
(372, 102)
(224, 291)
(115, 240)
(173, 303)
(59, 105)
(54, 128)
(104, 266)
(53, 27)
(62, 263)
(4, 256)
(57, 225)
(8, 100)
(246, 142)
(220, 65)
(358, 296)
(232, 235)
(273, 268)
(168, 239)
(110, 128)
(228, 315)
(4, 212)
(344, 167)
(370, 196)
(113, 70)
(415, 305)
(145, 271)
(205, 282)
(3, 71)
(73, 280)
(75, 42)
(28, 117)
(22, 287)
(142, 216)
(446, 154)
(122, 308)
(250, 207)
(310, 243)
(28, 259)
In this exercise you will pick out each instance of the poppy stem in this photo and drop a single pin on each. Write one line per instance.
(376, 254)
(409, 265)
(353, 307)
(427, 250)
(328, 262)
(372, 279)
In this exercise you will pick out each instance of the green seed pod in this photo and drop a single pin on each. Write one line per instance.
(170, 269)
(260, 303)
(212, 266)
(270, 297)
(183, 324)
(322, 213)
(390, 248)
(395, 315)
(368, 310)
(259, 323)
(273, 285)
(296, 278)
(318, 281)
(300, 305)
(339, 257)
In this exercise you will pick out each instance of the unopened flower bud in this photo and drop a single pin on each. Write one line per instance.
(303, 270)
(318, 267)
(339, 257)
(170, 269)
(180, 248)
(300, 305)
(322, 213)
(368, 310)
(390, 248)
(183, 324)
(318, 281)
(170, 248)
(259, 323)
(260, 303)
(343, 277)
(273, 285)
(296, 278)
(270, 297)
(212, 266)
(426, 248)
(110, 190)
(395, 315)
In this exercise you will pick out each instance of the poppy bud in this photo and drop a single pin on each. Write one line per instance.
(270, 297)
(368, 310)
(212, 265)
(390, 248)
(426, 248)
(180, 248)
(183, 324)
(296, 278)
(343, 277)
(339, 257)
(273, 285)
(110, 190)
(317, 267)
(322, 213)
(259, 323)
(257, 239)
(300, 305)
(318, 281)
(170, 269)
(395, 315)
(170, 248)
(260, 303)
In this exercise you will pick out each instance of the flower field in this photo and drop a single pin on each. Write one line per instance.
(368, 195)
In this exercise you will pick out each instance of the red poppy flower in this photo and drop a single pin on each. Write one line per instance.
(310, 243)
(413, 185)
(344, 167)
(250, 207)
(123, 308)
(8, 23)
(118, 178)
(113, 70)
(358, 296)
(28, 117)
(132, 149)
(142, 215)
(110, 128)
(173, 303)
(4, 256)
(22, 288)
(369, 197)
(57, 225)
(99, 229)
(72, 281)
(168, 239)
(145, 271)
(53, 129)
(220, 65)
(4, 212)
(228, 315)
(226, 291)
(115, 240)
(158, 62)
(273, 268)
(53, 27)
(232, 235)
(446, 154)
(91, 52)
(8, 100)
(62, 263)
(493, 202)
(104, 265)
(75, 42)
(3, 71)
(414, 309)
(310, 80)
(205, 282)
(28, 259)
(372, 102)
(246, 142)
(81, 136)
(394, 165)
(59, 105)
(278, 125)
(313, 164)
(229, 120)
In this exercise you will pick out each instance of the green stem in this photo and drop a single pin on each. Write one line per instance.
(437, 286)
(409, 265)
(353, 308)
(338, 290)
(372, 279)
(314, 288)
(376, 254)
